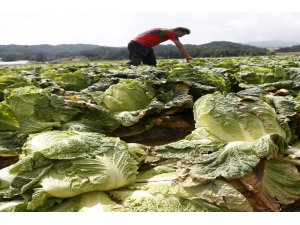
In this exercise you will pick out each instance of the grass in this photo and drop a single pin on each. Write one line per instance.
(288, 53)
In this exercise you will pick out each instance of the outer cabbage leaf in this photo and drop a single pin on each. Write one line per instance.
(198, 77)
(175, 95)
(129, 118)
(156, 190)
(159, 195)
(283, 105)
(236, 159)
(222, 194)
(94, 119)
(10, 80)
(8, 121)
(275, 182)
(31, 125)
(10, 143)
(145, 201)
(187, 149)
(258, 75)
(75, 81)
(293, 152)
(13, 206)
(5, 178)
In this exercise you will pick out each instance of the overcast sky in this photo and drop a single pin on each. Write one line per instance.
(115, 22)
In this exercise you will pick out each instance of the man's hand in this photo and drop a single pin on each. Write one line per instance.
(188, 59)
(183, 50)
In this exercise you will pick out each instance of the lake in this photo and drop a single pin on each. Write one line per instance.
(19, 62)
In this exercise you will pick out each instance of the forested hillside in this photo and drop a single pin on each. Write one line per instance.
(94, 52)
(295, 48)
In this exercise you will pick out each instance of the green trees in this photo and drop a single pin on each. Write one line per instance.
(42, 53)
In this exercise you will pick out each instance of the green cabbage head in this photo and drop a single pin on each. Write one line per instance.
(233, 118)
(128, 95)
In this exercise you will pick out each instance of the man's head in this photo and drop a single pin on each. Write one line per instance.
(181, 31)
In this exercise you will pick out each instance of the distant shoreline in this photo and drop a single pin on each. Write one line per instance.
(18, 62)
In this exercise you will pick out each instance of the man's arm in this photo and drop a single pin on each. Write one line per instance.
(183, 50)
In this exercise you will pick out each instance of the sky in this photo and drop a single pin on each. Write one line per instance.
(116, 22)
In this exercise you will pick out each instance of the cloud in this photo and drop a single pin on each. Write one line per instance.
(114, 23)
(241, 23)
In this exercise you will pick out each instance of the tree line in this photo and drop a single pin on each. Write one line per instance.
(295, 48)
(42, 53)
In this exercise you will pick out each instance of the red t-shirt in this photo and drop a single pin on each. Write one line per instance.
(155, 36)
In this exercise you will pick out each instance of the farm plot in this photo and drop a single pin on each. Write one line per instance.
(217, 134)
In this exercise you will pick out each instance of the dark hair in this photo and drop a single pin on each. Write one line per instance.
(183, 29)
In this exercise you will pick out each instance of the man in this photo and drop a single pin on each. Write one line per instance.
(140, 48)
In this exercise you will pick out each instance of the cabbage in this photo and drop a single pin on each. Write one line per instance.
(12, 206)
(232, 118)
(8, 121)
(75, 81)
(107, 172)
(63, 164)
(156, 190)
(276, 183)
(206, 160)
(36, 111)
(237, 158)
(89, 202)
(128, 95)
(24, 100)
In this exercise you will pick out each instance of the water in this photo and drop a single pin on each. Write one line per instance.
(19, 62)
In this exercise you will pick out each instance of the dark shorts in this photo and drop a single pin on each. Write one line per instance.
(139, 53)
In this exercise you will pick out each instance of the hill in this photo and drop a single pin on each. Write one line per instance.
(212, 49)
(94, 52)
(295, 48)
(41, 52)
(226, 48)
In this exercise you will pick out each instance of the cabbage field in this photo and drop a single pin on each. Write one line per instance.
(213, 135)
